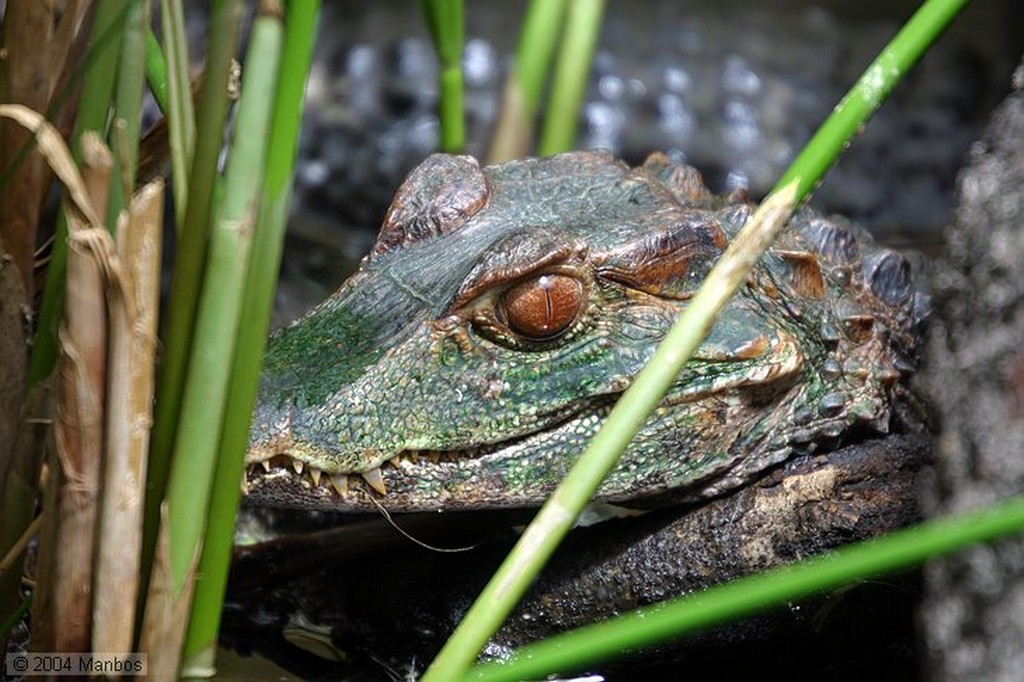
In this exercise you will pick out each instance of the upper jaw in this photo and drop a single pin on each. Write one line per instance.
(411, 480)
(283, 470)
(406, 479)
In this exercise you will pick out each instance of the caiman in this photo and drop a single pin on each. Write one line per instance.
(504, 309)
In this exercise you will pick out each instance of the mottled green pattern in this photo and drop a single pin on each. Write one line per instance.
(401, 359)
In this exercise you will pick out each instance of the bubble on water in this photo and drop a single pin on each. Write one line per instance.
(676, 79)
(610, 87)
(738, 77)
(479, 63)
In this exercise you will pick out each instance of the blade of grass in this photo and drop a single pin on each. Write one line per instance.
(257, 305)
(127, 121)
(194, 460)
(446, 20)
(582, 26)
(556, 517)
(156, 73)
(754, 594)
(186, 279)
(526, 80)
(537, 47)
(181, 117)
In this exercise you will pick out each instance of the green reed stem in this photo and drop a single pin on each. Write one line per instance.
(446, 20)
(257, 305)
(127, 123)
(526, 80)
(582, 26)
(219, 310)
(181, 117)
(156, 72)
(187, 277)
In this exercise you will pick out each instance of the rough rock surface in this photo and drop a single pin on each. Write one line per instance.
(972, 621)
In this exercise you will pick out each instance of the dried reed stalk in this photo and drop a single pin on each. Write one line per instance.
(133, 304)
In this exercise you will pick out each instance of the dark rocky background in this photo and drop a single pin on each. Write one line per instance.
(972, 619)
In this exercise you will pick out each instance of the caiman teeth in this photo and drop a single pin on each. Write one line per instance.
(375, 480)
(339, 482)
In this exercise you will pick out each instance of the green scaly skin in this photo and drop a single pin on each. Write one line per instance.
(416, 363)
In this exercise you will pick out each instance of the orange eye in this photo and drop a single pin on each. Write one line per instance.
(543, 307)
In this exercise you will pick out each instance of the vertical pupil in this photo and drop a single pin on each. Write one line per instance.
(543, 306)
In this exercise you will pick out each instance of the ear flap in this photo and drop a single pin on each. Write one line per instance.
(683, 181)
(439, 196)
(805, 274)
(669, 262)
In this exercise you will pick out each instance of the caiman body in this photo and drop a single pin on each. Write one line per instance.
(503, 310)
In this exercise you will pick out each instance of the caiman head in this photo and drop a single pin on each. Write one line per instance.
(503, 310)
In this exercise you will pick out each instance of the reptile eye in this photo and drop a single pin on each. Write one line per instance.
(542, 307)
